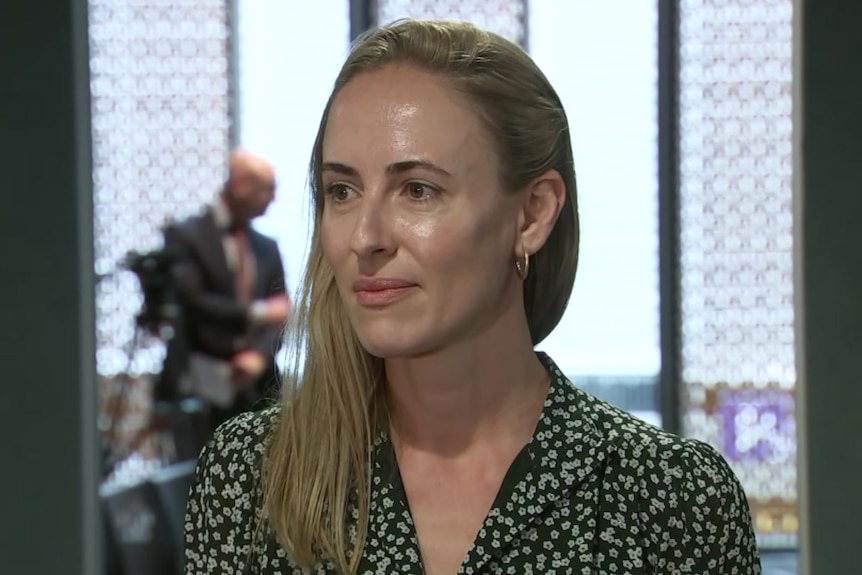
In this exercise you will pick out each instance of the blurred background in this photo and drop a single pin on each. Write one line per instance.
(684, 311)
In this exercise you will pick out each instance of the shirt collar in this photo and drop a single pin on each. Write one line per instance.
(566, 448)
(221, 213)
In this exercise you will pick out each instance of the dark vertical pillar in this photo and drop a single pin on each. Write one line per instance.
(668, 182)
(828, 129)
(363, 15)
(48, 440)
(233, 14)
(525, 41)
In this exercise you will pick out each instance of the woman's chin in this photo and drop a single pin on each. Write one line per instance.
(394, 345)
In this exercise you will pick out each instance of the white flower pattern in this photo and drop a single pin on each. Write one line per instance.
(595, 491)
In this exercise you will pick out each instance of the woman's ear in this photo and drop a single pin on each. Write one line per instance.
(544, 198)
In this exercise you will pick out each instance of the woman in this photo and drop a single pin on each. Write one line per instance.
(425, 434)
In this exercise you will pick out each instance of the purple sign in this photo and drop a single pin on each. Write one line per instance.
(757, 426)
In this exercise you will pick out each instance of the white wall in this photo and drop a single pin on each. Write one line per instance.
(600, 55)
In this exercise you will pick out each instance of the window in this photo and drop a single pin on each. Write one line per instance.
(159, 88)
(738, 365)
(282, 93)
(601, 58)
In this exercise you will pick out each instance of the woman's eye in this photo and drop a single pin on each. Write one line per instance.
(339, 192)
(419, 191)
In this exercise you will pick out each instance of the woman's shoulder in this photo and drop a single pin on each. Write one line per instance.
(644, 446)
(674, 474)
(690, 503)
(243, 438)
(223, 506)
(637, 445)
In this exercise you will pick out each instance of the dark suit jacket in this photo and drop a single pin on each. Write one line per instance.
(213, 322)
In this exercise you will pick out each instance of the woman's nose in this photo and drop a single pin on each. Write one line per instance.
(372, 229)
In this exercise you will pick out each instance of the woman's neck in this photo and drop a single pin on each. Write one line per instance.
(469, 395)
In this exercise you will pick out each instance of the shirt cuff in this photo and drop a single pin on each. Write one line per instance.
(256, 311)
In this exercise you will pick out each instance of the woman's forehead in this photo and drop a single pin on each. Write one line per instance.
(401, 110)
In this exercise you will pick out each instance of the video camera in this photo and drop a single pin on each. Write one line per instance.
(161, 308)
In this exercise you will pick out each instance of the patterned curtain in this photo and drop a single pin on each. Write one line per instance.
(160, 115)
(507, 18)
(160, 120)
(737, 351)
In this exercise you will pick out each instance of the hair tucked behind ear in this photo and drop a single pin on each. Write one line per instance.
(318, 462)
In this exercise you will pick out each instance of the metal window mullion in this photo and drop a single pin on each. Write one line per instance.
(670, 379)
(363, 16)
(233, 85)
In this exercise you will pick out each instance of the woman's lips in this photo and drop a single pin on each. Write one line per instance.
(378, 292)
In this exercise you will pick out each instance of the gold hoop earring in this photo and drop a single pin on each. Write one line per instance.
(523, 268)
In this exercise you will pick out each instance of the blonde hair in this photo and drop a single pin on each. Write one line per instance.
(317, 465)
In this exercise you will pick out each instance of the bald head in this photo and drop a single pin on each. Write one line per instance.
(243, 164)
(250, 187)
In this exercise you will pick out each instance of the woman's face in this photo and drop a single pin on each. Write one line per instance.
(417, 230)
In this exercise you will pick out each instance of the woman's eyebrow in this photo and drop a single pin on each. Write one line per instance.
(407, 165)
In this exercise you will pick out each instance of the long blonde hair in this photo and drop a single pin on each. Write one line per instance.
(318, 461)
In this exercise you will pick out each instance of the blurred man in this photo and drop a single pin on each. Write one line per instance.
(230, 284)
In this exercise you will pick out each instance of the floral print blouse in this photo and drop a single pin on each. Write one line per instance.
(595, 491)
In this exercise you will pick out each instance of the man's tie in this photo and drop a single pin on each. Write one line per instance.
(242, 281)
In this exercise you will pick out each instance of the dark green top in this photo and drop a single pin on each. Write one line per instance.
(595, 491)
